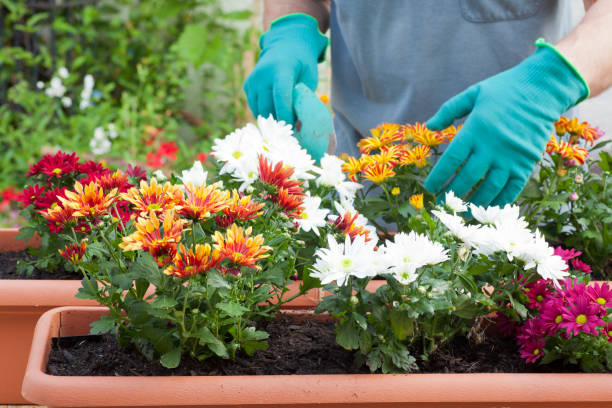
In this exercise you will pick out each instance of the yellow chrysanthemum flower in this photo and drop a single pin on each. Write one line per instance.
(383, 135)
(422, 135)
(240, 248)
(154, 198)
(417, 156)
(189, 263)
(416, 201)
(378, 172)
(352, 167)
(200, 202)
(88, 201)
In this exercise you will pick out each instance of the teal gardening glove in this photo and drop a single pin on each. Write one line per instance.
(290, 52)
(510, 119)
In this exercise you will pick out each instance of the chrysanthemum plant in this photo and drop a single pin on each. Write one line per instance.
(445, 272)
(568, 198)
(44, 205)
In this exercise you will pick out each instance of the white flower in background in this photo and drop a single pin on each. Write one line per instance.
(331, 174)
(196, 175)
(62, 72)
(56, 88)
(88, 85)
(112, 131)
(99, 143)
(342, 260)
(88, 82)
(454, 202)
(313, 216)
(159, 175)
(409, 252)
(66, 101)
(541, 255)
(40, 84)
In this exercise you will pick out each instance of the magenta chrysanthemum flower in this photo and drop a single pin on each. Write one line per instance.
(578, 265)
(571, 288)
(533, 329)
(607, 331)
(601, 294)
(581, 315)
(567, 254)
(537, 292)
(551, 314)
(532, 350)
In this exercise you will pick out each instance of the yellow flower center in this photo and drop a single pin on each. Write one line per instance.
(237, 154)
(57, 171)
(558, 319)
(581, 319)
(536, 352)
(539, 298)
(395, 191)
(346, 263)
(153, 206)
(601, 301)
(304, 215)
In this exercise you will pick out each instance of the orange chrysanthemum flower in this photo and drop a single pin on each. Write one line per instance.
(73, 252)
(388, 155)
(572, 152)
(450, 132)
(278, 176)
(160, 240)
(189, 263)
(574, 127)
(154, 198)
(417, 156)
(88, 201)
(239, 208)
(552, 146)
(346, 225)
(58, 215)
(589, 134)
(116, 180)
(378, 172)
(200, 202)
(240, 248)
(352, 167)
(416, 201)
(421, 134)
(289, 202)
(383, 135)
(561, 126)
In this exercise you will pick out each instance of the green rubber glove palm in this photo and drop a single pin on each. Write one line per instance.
(510, 119)
(290, 52)
(314, 122)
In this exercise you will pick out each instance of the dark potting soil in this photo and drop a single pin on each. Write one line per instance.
(8, 268)
(307, 347)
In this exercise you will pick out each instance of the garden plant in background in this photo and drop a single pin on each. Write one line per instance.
(568, 198)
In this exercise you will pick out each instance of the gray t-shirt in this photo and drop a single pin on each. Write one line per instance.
(399, 60)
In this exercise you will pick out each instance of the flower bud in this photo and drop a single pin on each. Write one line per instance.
(463, 253)
(354, 300)
(561, 171)
(381, 338)
(422, 290)
(579, 178)
(570, 163)
(573, 196)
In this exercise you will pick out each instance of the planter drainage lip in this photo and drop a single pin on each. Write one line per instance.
(40, 293)
(482, 389)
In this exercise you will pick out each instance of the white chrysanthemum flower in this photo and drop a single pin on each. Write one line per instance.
(112, 131)
(496, 215)
(66, 101)
(40, 84)
(195, 175)
(238, 150)
(541, 255)
(409, 252)
(313, 216)
(331, 175)
(457, 227)
(56, 88)
(88, 82)
(342, 260)
(62, 72)
(454, 202)
(159, 175)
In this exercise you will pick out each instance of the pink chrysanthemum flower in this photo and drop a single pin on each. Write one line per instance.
(607, 331)
(532, 350)
(571, 288)
(581, 315)
(601, 294)
(551, 314)
(537, 292)
(533, 329)
(578, 265)
(567, 254)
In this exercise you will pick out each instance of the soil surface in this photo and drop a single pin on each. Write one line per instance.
(8, 268)
(307, 347)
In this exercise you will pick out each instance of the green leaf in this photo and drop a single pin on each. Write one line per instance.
(146, 268)
(251, 346)
(237, 15)
(206, 336)
(216, 280)
(468, 283)
(105, 325)
(401, 323)
(360, 320)
(88, 289)
(347, 335)
(191, 44)
(308, 282)
(251, 333)
(164, 302)
(274, 275)
(232, 309)
(25, 234)
(467, 309)
(219, 349)
(171, 359)
(519, 307)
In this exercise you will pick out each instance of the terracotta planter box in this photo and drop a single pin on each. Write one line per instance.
(364, 390)
(23, 301)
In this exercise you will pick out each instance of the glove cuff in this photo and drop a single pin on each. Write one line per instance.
(542, 44)
(297, 26)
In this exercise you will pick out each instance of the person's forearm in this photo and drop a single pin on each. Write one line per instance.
(589, 46)
(318, 9)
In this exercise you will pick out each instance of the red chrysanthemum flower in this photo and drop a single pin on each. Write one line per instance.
(50, 198)
(239, 208)
(347, 226)
(89, 201)
(607, 331)
(533, 329)
(571, 288)
(278, 176)
(58, 217)
(290, 203)
(136, 172)
(200, 202)
(578, 265)
(92, 167)
(153, 197)
(581, 315)
(505, 326)
(74, 253)
(30, 194)
(55, 165)
(567, 254)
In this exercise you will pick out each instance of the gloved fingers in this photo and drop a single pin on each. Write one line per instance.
(283, 97)
(265, 105)
(310, 78)
(490, 188)
(511, 190)
(456, 107)
(469, 175)
(450, 161)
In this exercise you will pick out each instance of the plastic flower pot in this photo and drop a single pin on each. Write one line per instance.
(337, 390)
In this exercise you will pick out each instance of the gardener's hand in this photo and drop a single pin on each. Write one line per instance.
(290, 51)
(510, 119)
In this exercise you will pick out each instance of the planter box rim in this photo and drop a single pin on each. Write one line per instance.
(376, 389)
